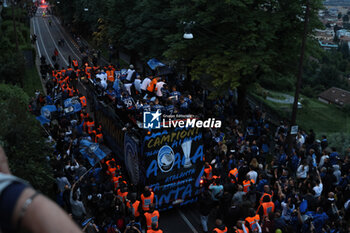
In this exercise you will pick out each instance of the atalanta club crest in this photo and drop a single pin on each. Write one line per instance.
(166, 159)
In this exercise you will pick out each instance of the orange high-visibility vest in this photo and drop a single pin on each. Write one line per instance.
(83, 117)
(122, 195)
(87, 69)
(265, 194)
(112, 171)
(208, 172)
(116, 181)
(251, 221)
(135, 207)
(153, 231)
(98, 137)
(70, 92)
(152, 218)
(90, 126)
(267, 208)
(110, 75)
(247, 184)
(146, 201)
(75, 63)
(77, 72)
(83, 101)
(220, 231)
(233, 172)
(241, 231)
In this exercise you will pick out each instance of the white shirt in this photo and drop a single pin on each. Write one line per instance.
(301, 140)
(318, 190)
(102, 76)
(145, 83)
(159, 87)
(137, 84)
(302, 171)
(129, 74)
(320, 164)
(253, 175)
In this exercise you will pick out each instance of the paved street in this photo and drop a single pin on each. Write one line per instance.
(185, 219)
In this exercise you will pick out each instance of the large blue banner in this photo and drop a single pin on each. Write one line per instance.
(173, 165)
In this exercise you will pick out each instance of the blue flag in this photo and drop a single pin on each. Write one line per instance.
(46, 112)
(93, 152)
(154, 63)
(42, 120)
(73, 104)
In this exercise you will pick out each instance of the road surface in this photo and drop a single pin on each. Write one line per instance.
(181, 220)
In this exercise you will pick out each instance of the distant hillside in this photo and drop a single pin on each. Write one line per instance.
(337, 3)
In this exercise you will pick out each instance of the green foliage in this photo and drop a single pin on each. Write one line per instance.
(235, 42)
(22, 139)
(340, 141)
(20, 14)
(346, 109)
(346, 18)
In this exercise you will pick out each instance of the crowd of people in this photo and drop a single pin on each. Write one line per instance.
(250, 183)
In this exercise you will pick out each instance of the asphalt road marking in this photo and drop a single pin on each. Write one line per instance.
(189, 224)
(53, 40)
(64, 36)
(42, 42)
(36, 41)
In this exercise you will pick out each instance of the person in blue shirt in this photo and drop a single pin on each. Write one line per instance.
(111, 94)
(175, 93)
(188, 99)
(169, 108)
(165, 92)
(146, 107)
(157, 106)
(127, 100)
(334, 156)
(184, 106)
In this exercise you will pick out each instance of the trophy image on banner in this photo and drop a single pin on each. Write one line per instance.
(186, 147)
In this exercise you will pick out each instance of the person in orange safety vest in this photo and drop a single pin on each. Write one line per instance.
(134, 206)
(233, 175)
(219, 227)
(83, 101)
(208, 171)
(253, 220)
(147, 198)
(247, 183)
(239, 227)
(90, 125)
(154, 229)
(152, 216)
(266, 207)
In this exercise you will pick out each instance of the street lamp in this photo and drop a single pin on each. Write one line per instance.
(188, 35)
(86, 9)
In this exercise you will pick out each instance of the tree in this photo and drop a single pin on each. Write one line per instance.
(237, 42)
(346, 18)
(22, 139)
